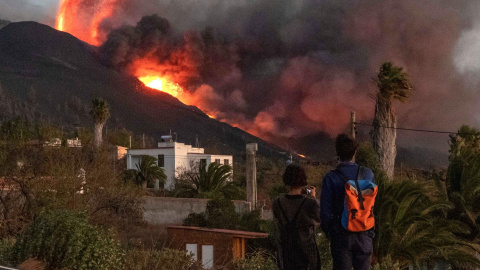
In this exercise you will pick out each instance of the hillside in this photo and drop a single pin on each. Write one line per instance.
(47, 74)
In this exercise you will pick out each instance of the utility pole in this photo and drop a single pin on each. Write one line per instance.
(352, 125)
(143, 139)
(130, 146)
(252, 148)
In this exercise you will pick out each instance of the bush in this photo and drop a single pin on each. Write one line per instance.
(6, 248)
(387, 264)
(220, 213)
(260, 260)
(166, 259)
(277, 190)
(196, 220)
(65, 239)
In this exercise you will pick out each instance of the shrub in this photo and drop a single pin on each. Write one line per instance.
(6, 248)
(259, 260)
(387, 264)
(166, 259)
(220, 213)
(196, 220)
(277, 190)
(65, 239)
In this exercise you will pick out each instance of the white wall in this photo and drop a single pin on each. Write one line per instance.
(166, 210)
(178, 157)
(134, 156)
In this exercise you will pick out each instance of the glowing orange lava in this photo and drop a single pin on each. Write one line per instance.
(163, 85)
(82, 18)
(83, 22)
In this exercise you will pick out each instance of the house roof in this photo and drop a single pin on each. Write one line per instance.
(234, 233)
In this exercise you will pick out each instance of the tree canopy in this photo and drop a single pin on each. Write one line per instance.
(393, 82)
(100, 110)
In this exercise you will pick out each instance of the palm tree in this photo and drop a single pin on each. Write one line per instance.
(149, 171)
(208, 183)
(100, 112)
(463, 180)
(392, 83)
(412, 223)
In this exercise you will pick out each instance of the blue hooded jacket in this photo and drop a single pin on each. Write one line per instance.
(332, 197)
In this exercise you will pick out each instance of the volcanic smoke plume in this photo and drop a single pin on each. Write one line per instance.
(288, 68)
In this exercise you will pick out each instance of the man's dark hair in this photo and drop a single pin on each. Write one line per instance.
(294, 176)
(345, 147)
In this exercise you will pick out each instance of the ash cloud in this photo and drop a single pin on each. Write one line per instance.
(290, 68)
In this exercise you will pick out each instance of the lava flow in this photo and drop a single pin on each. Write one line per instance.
(163, 85)
(84, 20)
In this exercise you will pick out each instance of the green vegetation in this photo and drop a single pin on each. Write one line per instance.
(6, 250)
(433, 217)
(220, 213)
(211, 182)
(393, 82)
(259, 260)
(463, 181)
(413, 223)
(66, 239)
(165, 259)
(148, 171)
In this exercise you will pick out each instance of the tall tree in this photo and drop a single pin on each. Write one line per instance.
(392, 83)
(100, 112)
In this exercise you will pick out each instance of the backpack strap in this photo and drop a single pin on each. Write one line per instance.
(360, 172)
(296, 214)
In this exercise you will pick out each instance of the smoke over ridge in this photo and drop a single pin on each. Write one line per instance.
(289, 68)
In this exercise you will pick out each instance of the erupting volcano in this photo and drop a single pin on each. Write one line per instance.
(71, 18)
(284, 70)
(74, 14)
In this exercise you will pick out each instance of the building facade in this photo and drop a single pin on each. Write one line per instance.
(174, 158)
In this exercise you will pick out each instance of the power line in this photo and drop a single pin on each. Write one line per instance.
(412, 129)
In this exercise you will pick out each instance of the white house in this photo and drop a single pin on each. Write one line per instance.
(173, 157)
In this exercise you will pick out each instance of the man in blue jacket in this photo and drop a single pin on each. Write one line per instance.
(349, 249)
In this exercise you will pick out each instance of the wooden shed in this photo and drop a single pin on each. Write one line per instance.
(213, 247)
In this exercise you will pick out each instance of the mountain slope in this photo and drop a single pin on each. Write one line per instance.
(49, 74)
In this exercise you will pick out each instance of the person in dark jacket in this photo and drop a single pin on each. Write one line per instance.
(349, 249)
(297, 216)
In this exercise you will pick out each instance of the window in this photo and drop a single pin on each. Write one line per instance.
(217, 161)
(192, 249)
(207, 256)
(226, 162)
(161, 161)
(203, 163)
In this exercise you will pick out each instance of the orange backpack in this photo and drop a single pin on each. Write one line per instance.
(357, 215)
